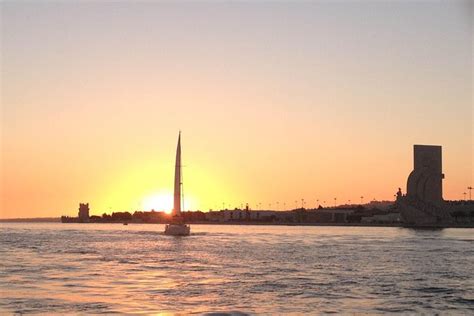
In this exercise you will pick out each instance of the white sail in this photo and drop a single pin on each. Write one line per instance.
(177, 180)
(177, 227)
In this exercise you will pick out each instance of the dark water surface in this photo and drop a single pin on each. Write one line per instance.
(106, 268)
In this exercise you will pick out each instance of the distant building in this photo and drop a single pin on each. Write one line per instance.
(214, 216)
(238, 215)
(83, 213)
(381, 205)
(242, 215)
(295, 216)
(462, 211)
(328, 215)
(390, 218)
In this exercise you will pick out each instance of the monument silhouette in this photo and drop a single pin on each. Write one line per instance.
(423, 204)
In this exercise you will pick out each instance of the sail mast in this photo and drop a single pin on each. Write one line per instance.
(177, 227)
(177, 180)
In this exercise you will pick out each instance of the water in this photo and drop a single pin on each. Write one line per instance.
(111, 268)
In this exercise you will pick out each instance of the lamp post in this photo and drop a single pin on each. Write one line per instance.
(469, 188)
(361, 200)
(464, 193)
(335, 201)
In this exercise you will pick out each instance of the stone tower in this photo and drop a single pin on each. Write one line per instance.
(83, 212)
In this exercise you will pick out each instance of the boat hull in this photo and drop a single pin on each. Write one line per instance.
(177, 230)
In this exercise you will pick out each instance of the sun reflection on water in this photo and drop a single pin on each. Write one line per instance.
(105, 268)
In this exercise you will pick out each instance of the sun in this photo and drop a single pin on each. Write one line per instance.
(159, 202)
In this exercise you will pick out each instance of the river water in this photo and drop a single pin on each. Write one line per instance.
(111, 268)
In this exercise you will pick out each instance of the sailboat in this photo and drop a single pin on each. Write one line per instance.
(177, 227)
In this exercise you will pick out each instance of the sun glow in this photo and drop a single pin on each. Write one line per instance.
(164, 202)
(159, 202)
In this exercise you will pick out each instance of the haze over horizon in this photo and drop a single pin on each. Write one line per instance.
(276, 101)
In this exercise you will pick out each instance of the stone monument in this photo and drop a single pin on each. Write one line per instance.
(423, 203)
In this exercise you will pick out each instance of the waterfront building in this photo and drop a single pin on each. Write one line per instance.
(237, 215)
(390, 218)
(328, 215)
(295, 216)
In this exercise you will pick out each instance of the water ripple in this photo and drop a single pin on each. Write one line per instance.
(234, 270)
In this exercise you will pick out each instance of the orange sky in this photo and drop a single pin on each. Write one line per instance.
(307, 100)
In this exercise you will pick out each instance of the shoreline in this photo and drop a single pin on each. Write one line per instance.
(401, 225)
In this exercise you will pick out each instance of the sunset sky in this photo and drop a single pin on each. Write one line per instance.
(276, 101)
